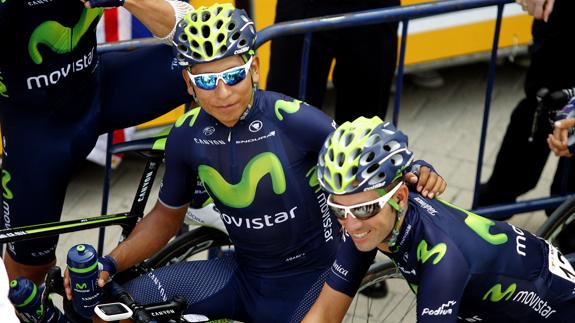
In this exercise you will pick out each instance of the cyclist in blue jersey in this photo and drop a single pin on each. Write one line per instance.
(460, 266)
(255, 153)
(57, 94)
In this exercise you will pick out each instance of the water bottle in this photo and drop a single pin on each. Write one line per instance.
(27, 298)
(83, 270)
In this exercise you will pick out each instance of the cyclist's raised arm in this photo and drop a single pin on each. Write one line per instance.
(159, 16)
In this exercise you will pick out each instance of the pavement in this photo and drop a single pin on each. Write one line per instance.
(443, 125)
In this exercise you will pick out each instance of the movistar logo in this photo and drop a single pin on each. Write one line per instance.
(81, 286)
(58, 38)
(6, 177)
(423, 254)
(313, 181)
(287, 107)
(3, 88)
(242, 194)
(495, 294)
(193, 113)
(481, 226)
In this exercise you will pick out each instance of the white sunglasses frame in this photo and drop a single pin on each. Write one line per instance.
(220, 76)
(382, 200)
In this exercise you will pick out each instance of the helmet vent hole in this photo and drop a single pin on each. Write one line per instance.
(365, 133)
(218, 10)
(208, 48)
(371, 169)
(242, 42)
(348, 139)
(396, 160)
(231, 26)
(183, 37)
(330, 154)
(391, 145)
(353, 171)
(197, 55)
(182, 48)
(205, 31)
(219, 24)
(194, 30)
(195, 44)
(182, 23)
(221, 38)
(235, 36)
(369, 157)
(353, 155)
(340, 159)
(206, 16)
(337, 180)
(230, 13)
(194, 17)
(223, 49)
(373, 140)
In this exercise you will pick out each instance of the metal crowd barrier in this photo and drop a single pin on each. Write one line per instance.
(403, 14)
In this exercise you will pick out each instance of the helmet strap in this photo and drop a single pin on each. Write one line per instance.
(392, 238)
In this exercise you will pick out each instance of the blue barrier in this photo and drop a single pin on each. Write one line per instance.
(403, 14)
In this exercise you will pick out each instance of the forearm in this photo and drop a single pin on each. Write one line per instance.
(157, 15)
(329, 307)
(149, 236)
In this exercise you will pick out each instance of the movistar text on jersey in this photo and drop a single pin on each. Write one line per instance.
(259, 222)
(44, 80)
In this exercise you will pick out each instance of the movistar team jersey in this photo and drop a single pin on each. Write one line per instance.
(468, 268)
(48, 51)
(261, 174)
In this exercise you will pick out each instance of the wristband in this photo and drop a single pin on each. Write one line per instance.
(416, 166)
(109, 264)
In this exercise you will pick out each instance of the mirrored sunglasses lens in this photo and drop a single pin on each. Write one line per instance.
(206, 82)
(234, 77)
(339, 212)
(366, 211)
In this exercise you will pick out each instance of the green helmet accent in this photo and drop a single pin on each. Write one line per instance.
(212, 33)
(362, 155)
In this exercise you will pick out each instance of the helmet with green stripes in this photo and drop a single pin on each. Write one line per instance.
(211, 33)
(362, 155)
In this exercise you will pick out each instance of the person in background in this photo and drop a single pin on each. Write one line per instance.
(524, 149)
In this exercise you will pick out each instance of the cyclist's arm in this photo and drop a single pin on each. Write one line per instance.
(342, 282)
(331, 306)
(159, 16)
(149, 236)
(443, 281)
(559, 140)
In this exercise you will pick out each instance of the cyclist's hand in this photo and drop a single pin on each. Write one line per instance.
(102, 3)
(539, 9)
(558, 141)
(108, 268)
(428, 183)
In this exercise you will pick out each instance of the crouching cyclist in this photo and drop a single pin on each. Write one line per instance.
(459, 265)
(255, 153)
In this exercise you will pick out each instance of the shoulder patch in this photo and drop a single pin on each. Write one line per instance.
(192, 113)
(287, 107)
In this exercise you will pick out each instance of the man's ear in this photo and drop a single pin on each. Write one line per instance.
(401, 196)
